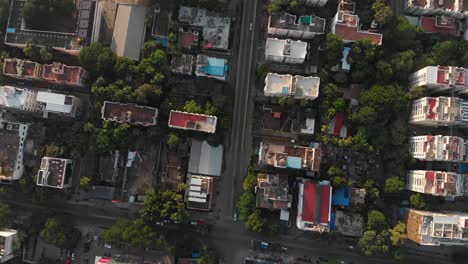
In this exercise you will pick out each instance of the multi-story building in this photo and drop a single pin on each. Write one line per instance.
(451, 8)
(57, 73)
(437, 183)
(435, 229)
(273, 191)
(438, 148)
(440, 25)
(314, 206)
(55, 173)
(285, 25)
(308, 2)
(191, 121)
(12, 141)
(299, 87)
(7, 244)
(285, 51)
(441, 78)
(287, 156)
(61, 104)
(211, 67)
(432, 111)
(129, 113)
(199, 192)
(346, 25)
(19, 98)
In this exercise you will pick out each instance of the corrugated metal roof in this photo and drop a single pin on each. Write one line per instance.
(205, 159)
(129, 31)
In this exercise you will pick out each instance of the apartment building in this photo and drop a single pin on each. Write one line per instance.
(434, 111)
(438, 148)
(286, 25)
(441, 79)
(285, 51)
(437, 183)
(451, 8)
(299, 87)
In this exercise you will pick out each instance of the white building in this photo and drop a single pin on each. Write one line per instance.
(55, 173)
(7, 244)
(12, 141)
(285, 51)
(441, 78)
(451, 8)
(314, 206)
(432, 111)
(285, 25)
(299, 87)
(19, 98)
(435, 229)
(437, 183)
(438, 148)
(58, 103)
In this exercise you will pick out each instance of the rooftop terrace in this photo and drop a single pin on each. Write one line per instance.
(273, 191)
(294, 157)
(55, 172)
(129, 113)
(191, 121)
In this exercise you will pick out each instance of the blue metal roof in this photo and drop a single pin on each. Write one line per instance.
(341, 196)
(332, 221)
(215, 67)
(294, 162)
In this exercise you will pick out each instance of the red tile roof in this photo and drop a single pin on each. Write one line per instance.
(338, 124)
(348, 33)
(434, 25)
(197, 122)
(324, 203)
(180, 119)
(61, 73)
(308, 205)
(187, 40)
(432, 104)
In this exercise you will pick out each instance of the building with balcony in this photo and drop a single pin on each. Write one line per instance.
(289, 26)
(211, 67)
(292, 157)
(438, 148)
(55, 173)
(434, 111)
(299, 87)
(314, 206)
(440, 25)
(191, 121)
(441, 79)
(451, 8)
(272, 191)
(129, 113)
(346, 25)
(436, 229)
(285, 51)
(199, 192)
(12, 141)
(8, 244)
(22, 69)
(19, 98)
(437, 183)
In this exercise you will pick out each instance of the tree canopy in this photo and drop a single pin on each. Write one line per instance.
(373, 242)
(382, 11)
(5, 215)
(417, 201)
(334, 47)
(394, 184)
(161, 205)
(376, 220)
(135, 233)
(60, 233)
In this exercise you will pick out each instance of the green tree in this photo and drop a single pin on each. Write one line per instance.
(53, 150)
(250, 181)
(191, 106)
(134, 233)
(106, 61)
(210, 109)
(415, 92)
(274, 6)
(365, 115)
(417, 201)
(150, 47)
(334, 47)
(339, 182)
(89, 57)
(46, 54)
(376, 221)
(363, 53)
(382, 11)
(443, 53)
(394, 185)
(384, 71)
(123, 66)
(403, 34)
(146, 92)
(54, 232)
(373, 242)
(404, 61)
(163, 205)
(246, 205)
(398, 234)
(255, 222)
(85, 182)
(31, 52)
(334, 171)
(172, 140)
(5, 215)
(371, 191)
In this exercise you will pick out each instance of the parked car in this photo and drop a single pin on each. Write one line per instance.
(73, 256)
(235, 217)
(107, 246)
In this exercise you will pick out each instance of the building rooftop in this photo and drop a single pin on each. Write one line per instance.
(61, 73)
(348, 223)
(442, 148)
(346, 25)
(440, 109)
(12, 141)
(337, 126)
(273, 191)
(314, 206)
(129, 31)
(191, 121)
(129, 113)
(435, 183)
(19, 98)
(450, 5)
(285, 156)
(435, 229)
(310, 23)
(285, 48)
(161, 22)
(342, 196)
(199, 192)
(211, 67)
(174, 174)
(441, 25)
(55, 172)
(189, 38)
(55, 102)
(22, 68)
(286, 85)
(205, 159)
(182, 64)
(215, 26)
